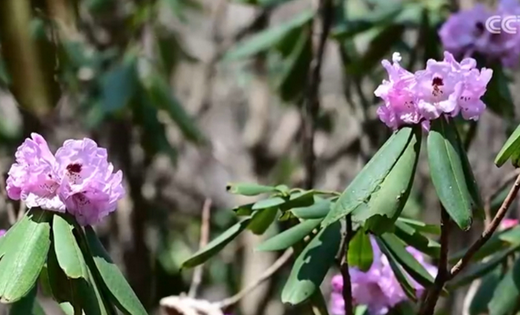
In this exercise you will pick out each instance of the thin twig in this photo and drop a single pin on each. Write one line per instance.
(488, 232)
(311, 104)
(266, 275)
(345, 273)
(204, 238)
(432, 295)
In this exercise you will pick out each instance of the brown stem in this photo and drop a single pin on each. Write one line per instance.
(347, 286)
(204, 238)
(311, 104)
(488, 232)
(432, 295)
(266, 275)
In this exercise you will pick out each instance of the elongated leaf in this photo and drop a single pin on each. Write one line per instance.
(289, 237)
(402, 278)
(369, 180)
(406, 260)
(511, 149)
(64, 290)
(380, 17)
(25, 256)
(480, 269)
(378, 48)
(249, 189)
(118, 85)
(296, 66)
(269, 203)
(498, 94)
(216, 245)
(318, 210)
(28, 305)
(447, 173)
(5, 241)
(415, 239)
(421, 226)
(90, 297)
(262, 220)
(492, 246)
(268, 38)
(298, 200)
(484, 293)
(312, 265)
(67, 250)
(385, 204)
(505, 298)
(120, 291)
(161, 96)
(360, 253)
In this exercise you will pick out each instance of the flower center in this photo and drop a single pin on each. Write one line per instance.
(436, 84)
(74, 168)
(74, 171)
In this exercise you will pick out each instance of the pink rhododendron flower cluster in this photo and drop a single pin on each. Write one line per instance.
(378, 288)
(465, 33)
(444, 88)
(78, 179)
(508, 223)
(2, 232)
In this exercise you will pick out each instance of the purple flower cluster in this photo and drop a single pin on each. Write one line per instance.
(2, 232)
(78, 179)
(444, 88)
(465, 33)
(378, 288)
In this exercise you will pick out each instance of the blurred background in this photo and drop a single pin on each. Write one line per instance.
(189, 95)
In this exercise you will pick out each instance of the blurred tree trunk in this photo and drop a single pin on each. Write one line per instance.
(30, 59)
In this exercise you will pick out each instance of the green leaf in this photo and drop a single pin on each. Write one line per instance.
(505, 297)
(498, 95)
(154, 131)
(421, 226)
(402, 278)
(493, 245)
(269, 203)
(25, 255)
(67, 249)
(299, 199)
(378, 48)
(380, 17)
(269, 38)
(296, 66)
(290, 236)
(262, 220)
(249, 189)
(414, 238)
(28, 305)
(360, 253)
(510, 150)
(379, 193)
(120, 291)
(217, 244)
(64, 290)
(244, 210)
(447, 172)
(90, 297)
(312, 265)
(385, 204)
(369, 180)
(484, 293)
(161, 96)
(117, 86)
(318, 210)
(406, 260)
(480, 269)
